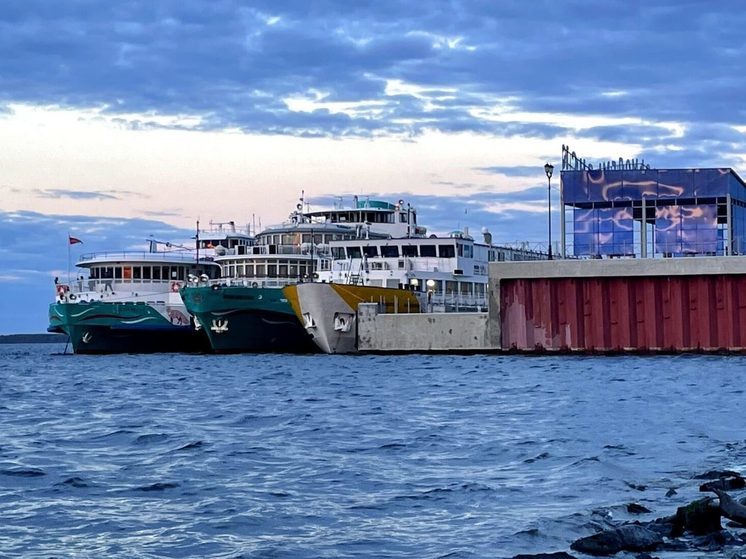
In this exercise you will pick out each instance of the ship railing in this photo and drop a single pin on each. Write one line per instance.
(82, 285)
(180, 255)
(306, 249)
(115, 290)
(247, 282)
(433, 302)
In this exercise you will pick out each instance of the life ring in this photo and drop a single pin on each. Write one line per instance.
(72, 296)
(254, 284)
(175, 286)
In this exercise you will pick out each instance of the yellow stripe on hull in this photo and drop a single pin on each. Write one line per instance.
(391, 299)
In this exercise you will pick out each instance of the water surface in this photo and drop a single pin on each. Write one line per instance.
(349, 456)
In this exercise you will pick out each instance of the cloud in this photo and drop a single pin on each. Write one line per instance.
(514, 171)
(231, 65)
(73, 194)
(64, 193)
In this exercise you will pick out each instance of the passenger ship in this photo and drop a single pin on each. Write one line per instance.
(129, 302)
(247, 311)
(410, 274)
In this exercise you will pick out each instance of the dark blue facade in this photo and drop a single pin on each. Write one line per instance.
(673, 212)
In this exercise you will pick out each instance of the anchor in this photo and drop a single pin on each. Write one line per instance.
(342, 322)
(219, 326)
(86, 338)
(308, 321)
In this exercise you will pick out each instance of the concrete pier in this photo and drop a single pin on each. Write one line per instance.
(428, 332)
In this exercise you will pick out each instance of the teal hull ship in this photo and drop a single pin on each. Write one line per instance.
(129, 302)
(247, 319)
(123, 327)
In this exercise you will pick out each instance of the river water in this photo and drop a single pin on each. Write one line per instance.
(350, 456)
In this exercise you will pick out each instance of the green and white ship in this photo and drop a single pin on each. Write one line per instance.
(246, 311)
(129, 301)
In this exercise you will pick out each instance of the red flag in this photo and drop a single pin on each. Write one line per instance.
(74, 240)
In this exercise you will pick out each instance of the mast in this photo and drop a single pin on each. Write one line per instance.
(197, 237)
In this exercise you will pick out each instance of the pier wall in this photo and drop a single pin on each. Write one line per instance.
(674, 304)
(436, 332)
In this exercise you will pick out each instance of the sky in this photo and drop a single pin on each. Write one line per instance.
(122, 120)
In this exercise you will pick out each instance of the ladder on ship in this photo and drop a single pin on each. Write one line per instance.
(354, 277)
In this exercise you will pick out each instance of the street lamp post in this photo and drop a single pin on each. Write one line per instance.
(548, 168)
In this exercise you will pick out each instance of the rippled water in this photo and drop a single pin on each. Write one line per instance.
(349, 456)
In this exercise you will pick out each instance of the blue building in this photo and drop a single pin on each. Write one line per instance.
(631, 210)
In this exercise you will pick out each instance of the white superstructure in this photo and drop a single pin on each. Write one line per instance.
(300, 248)
(452, 270)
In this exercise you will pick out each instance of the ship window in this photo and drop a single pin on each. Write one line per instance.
(293, 270)
(451, 287)
(403, 217)
(491, 256)
(288, 239)
(272, 270)
(318, 239)
(250, 270)
(127, 273)
(370, 251)
(468, 251)
(390, 251)
(460, 249)
(409, 250)
(465, 288)
(427, 250)
(261, 270)
(156, 272)
(283, 270)
(136, 272)
(117, 272)
(353, 252)
(146, 272)
(446, 251)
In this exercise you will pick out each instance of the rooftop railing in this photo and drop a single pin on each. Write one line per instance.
(145, 256)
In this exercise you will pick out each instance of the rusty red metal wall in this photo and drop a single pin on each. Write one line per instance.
(667, 313)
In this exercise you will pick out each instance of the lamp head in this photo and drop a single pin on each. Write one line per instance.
(548, 168)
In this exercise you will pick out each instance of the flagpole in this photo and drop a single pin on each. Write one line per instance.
(68, 258)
